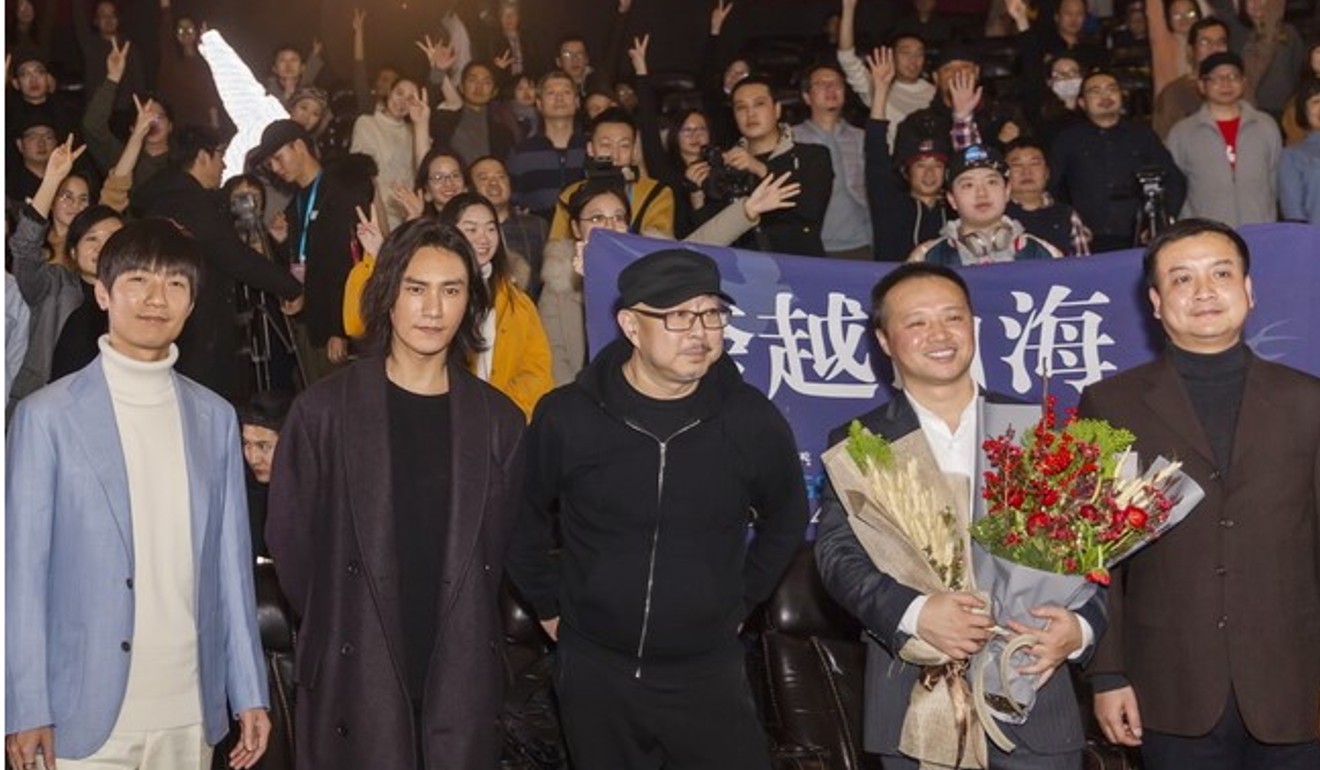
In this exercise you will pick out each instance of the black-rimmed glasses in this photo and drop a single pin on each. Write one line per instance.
(684, 320)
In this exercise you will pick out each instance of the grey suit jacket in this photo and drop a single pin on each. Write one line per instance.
(879, 601)
(69, 563)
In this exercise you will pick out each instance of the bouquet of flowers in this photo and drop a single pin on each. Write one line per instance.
(912, 522)
(1062, 506)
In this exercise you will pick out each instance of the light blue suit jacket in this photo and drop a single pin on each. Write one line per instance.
(69, 563)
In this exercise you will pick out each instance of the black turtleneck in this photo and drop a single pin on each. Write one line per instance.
(1214, 381)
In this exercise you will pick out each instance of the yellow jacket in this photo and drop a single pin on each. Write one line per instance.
(520, 362)
(655, 219)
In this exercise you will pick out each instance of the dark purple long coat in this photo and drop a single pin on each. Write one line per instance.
(331, 532)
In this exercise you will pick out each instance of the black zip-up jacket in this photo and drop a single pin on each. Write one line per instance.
(655, 565)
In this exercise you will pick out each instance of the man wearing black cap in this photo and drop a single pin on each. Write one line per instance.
(909, 186)
(982, 233)
(960, 111)
(1228, 149)
(656, 460)
(321, 220)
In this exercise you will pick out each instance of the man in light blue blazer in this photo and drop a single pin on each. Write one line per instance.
(130, 623)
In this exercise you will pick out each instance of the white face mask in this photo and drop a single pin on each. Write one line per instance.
(1067, 88)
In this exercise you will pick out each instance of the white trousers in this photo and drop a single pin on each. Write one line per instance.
(178, 748)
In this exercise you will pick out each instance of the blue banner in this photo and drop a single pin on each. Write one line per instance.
(799, 331)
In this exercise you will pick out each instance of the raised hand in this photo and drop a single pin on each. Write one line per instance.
(772, 194)
(881, 64)
(504, 61)
(412, 201)
(419, 109)
(62, 158)
(1017, 11)
(964, 94)
(145, 116)
(440, 55)
(637, 53)
(317, 47)
(359, 21)
(718, 15)
(368, 231)
(116, 60)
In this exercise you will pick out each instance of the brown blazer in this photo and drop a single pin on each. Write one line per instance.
(1231, 596)
(331, 532)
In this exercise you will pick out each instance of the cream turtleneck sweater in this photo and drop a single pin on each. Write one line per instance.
(163, 680)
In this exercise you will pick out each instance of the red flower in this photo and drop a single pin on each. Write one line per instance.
(1050, 498)
(1016, 498)
(1098, 576)
(1136, 517)
(1089, 512)
(1036, 522)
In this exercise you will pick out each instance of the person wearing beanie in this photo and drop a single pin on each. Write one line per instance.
(653, 461)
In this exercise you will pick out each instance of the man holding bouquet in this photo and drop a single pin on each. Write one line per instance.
(1210, 660)
(922, 317)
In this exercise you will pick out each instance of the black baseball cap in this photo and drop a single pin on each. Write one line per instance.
(669, 277)
(1220, 59)
(952, 52)
(914, 146)
(276, 135)
(973, 157)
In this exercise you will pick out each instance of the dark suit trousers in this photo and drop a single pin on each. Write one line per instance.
(1227, 747)
(1020, 759)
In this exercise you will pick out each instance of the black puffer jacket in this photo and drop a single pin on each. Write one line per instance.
(656, 563)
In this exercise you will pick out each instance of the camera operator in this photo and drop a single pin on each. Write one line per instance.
(1095, 165)
(612, 153)
(766, 148)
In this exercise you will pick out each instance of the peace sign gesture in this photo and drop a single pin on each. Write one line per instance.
(368, 231)
(61, 159)
(116, 60)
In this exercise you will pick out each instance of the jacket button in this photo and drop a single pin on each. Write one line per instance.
(1221, 571)
(125, 646)
(354, 568)
(129, 583)
(1216, 475)
(347, 649)
(1223, 621)
(1227, 523)
(487, 568)
(341, 730)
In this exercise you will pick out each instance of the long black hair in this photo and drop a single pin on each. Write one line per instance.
(382, 289)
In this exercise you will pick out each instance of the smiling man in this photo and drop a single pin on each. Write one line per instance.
(922, 318)
(655, 461)
(1209, 661)
(982, 233)
(131, 630)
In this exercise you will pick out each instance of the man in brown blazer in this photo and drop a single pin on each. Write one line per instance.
(1212, 655)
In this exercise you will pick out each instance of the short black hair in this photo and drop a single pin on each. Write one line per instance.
(612, 115)
(189, 140)
(154, 244)
(754, 80)
(1201, 25)
(266, 409)
(1190, 228)
(467, 172)
(1024, 143)
(902, 35)
(804, 79)
(1099, 72)
(905, 272)
(382, 289)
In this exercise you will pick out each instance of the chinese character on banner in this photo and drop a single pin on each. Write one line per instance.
(834, 344)
(1060, 339)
